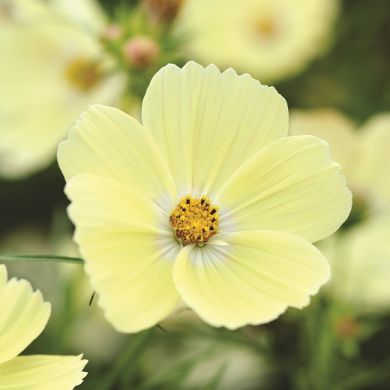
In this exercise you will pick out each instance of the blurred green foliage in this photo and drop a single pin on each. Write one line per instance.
(353, 75)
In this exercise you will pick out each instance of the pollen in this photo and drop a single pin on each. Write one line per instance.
(83, 74)
(194, 220)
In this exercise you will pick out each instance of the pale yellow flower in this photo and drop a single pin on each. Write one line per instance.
(360, 256)
(52, 68)
(207, 202)
(24, 315)
(271, 39)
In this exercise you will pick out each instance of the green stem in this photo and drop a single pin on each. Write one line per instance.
(50, 258)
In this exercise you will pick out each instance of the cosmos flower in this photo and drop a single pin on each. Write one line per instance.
(24, 315)
(271, 39)
(207, 201)
(360, 253)
(52, 68)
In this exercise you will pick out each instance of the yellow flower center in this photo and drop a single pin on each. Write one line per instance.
(83, 74)
(194, 220)
(266, 27)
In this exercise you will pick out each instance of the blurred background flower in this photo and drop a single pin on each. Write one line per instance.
(360, 251)
(57, 57)
(52, 68)
(271, 39)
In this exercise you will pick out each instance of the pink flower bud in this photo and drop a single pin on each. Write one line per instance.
(141, 51)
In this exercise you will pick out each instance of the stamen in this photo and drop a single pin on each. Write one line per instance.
(194, 221)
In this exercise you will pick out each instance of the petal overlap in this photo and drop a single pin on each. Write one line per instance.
(291, 185)
(128, 250)
(109, 143)
(207, 122)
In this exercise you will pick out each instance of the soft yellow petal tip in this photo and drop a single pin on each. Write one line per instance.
(17, 299)
(43, 372)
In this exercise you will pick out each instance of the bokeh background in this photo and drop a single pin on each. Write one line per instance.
(330, 59)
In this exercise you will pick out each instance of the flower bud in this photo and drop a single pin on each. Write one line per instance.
(141, 51)
(163, 10)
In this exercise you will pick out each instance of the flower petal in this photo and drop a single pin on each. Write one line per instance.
(252, 280)
(208, 123)
(85, 12)
(372, 175)
(334, 128)
(290, 185)
(39, 104)
(128, 250)
(360, 261)
(28, 141)
(109, 143)
(40, 372)
(24, 315)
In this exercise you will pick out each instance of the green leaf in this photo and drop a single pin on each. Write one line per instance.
(50, 258)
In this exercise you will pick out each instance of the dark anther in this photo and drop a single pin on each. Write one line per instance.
(211, 228)
(213, 211)
(201, 201)
(188, 201)
(91, 299)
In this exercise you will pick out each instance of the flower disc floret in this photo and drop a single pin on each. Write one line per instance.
(194, 221)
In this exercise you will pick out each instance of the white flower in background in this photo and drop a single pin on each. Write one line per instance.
(360, 253)
(271, 39)
(52, 68)
(24, 315)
